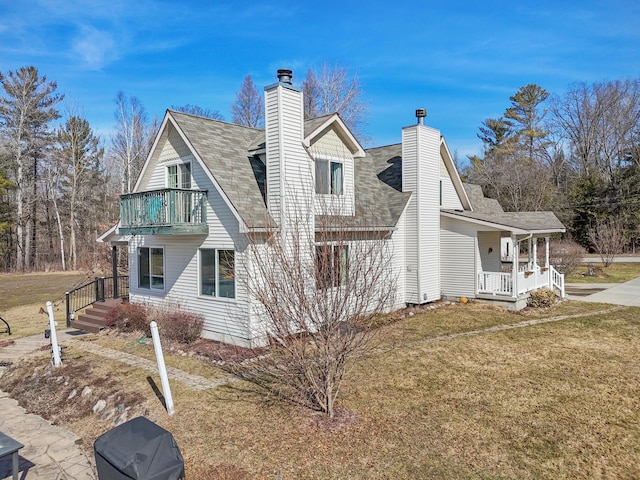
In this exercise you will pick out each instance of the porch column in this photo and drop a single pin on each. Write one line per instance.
(546, 252)
(535, 252)
(514, 265)
(529, 246)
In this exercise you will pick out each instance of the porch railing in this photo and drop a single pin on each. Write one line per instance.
(557, 280)
(94, 291)
(495, 283)
(501, 283)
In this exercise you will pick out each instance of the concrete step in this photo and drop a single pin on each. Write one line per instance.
(90, 327)
(91, 317)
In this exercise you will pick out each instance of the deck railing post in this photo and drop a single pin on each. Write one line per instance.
(68, 305)
(114, 269)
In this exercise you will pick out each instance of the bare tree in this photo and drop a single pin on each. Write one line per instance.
(25, 114)
(130, 141)
(608, 238)
(333, 89)
(318, 285)
(248, 109)
(506, 173)
(80, 153)
(199, 111)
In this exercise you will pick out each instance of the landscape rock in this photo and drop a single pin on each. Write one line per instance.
(99, 406)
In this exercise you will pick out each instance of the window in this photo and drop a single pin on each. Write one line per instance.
(179, 175)
(329, 177)
(332, 263)
(151, 268)
(217, 273)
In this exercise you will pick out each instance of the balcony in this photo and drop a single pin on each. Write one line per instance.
(169, 211)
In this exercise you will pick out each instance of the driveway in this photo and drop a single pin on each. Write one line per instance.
(627, 294)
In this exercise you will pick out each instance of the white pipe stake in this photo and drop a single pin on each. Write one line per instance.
(57, 361)
(164, 379)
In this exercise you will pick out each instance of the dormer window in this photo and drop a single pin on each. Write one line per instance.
(179, 175)
(329, 177)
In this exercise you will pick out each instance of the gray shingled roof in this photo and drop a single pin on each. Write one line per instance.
(489, 210)
(479, 202)
(378, 179)
(223, 147)
(525, 221)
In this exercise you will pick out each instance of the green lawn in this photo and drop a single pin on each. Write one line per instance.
(614, 273)
(553, 400)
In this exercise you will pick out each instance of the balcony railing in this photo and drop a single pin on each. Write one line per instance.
(169, 211)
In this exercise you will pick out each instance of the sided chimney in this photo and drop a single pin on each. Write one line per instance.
(285, 75)
(421, 114)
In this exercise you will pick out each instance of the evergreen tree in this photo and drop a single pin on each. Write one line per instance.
(26, 110)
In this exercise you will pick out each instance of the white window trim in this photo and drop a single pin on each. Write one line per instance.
(331, 158)
(178, 162)
(164, 270)
(216, 297)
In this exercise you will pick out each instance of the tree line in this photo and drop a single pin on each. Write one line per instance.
(60, 181)
(577, 154)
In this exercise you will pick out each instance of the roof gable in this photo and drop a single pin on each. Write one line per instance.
(317, 127)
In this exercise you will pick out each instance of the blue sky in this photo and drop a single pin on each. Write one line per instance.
(459, 59)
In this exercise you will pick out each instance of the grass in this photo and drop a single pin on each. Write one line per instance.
(553, 400)
(614, 273)
(22, 297)
(36, 288)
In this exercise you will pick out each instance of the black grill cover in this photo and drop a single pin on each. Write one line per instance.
(138, 449)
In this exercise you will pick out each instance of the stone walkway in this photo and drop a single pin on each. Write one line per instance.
(195, 382)
(50, 452)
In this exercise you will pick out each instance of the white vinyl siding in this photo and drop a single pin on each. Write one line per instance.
(458, 258)
(450, 199)
(225, 319)
(489, 250)
(329, 146)
(289, 167)
(398, 265)
(420, 175)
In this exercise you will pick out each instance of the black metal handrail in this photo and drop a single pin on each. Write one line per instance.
(8, 327)
(95, 291)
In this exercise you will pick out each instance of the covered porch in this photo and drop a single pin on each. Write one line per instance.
(510, 255)
(520, 274)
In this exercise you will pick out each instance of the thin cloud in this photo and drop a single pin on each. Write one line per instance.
(95, 47)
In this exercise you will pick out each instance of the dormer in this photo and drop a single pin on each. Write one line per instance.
(334, 151)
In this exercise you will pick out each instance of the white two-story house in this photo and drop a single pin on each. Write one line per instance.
(207, 186)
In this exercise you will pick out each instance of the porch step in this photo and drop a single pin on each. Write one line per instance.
(92, 319)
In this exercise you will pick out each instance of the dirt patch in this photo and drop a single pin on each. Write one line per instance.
(75, 391)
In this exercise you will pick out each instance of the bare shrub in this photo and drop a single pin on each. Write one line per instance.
(608, 238)
(542, 298)
(319, 286)
(566, 255)
(128, 317)
(179, 325)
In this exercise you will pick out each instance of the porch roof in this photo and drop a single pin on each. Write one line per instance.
(112, 237)
(516, 222)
